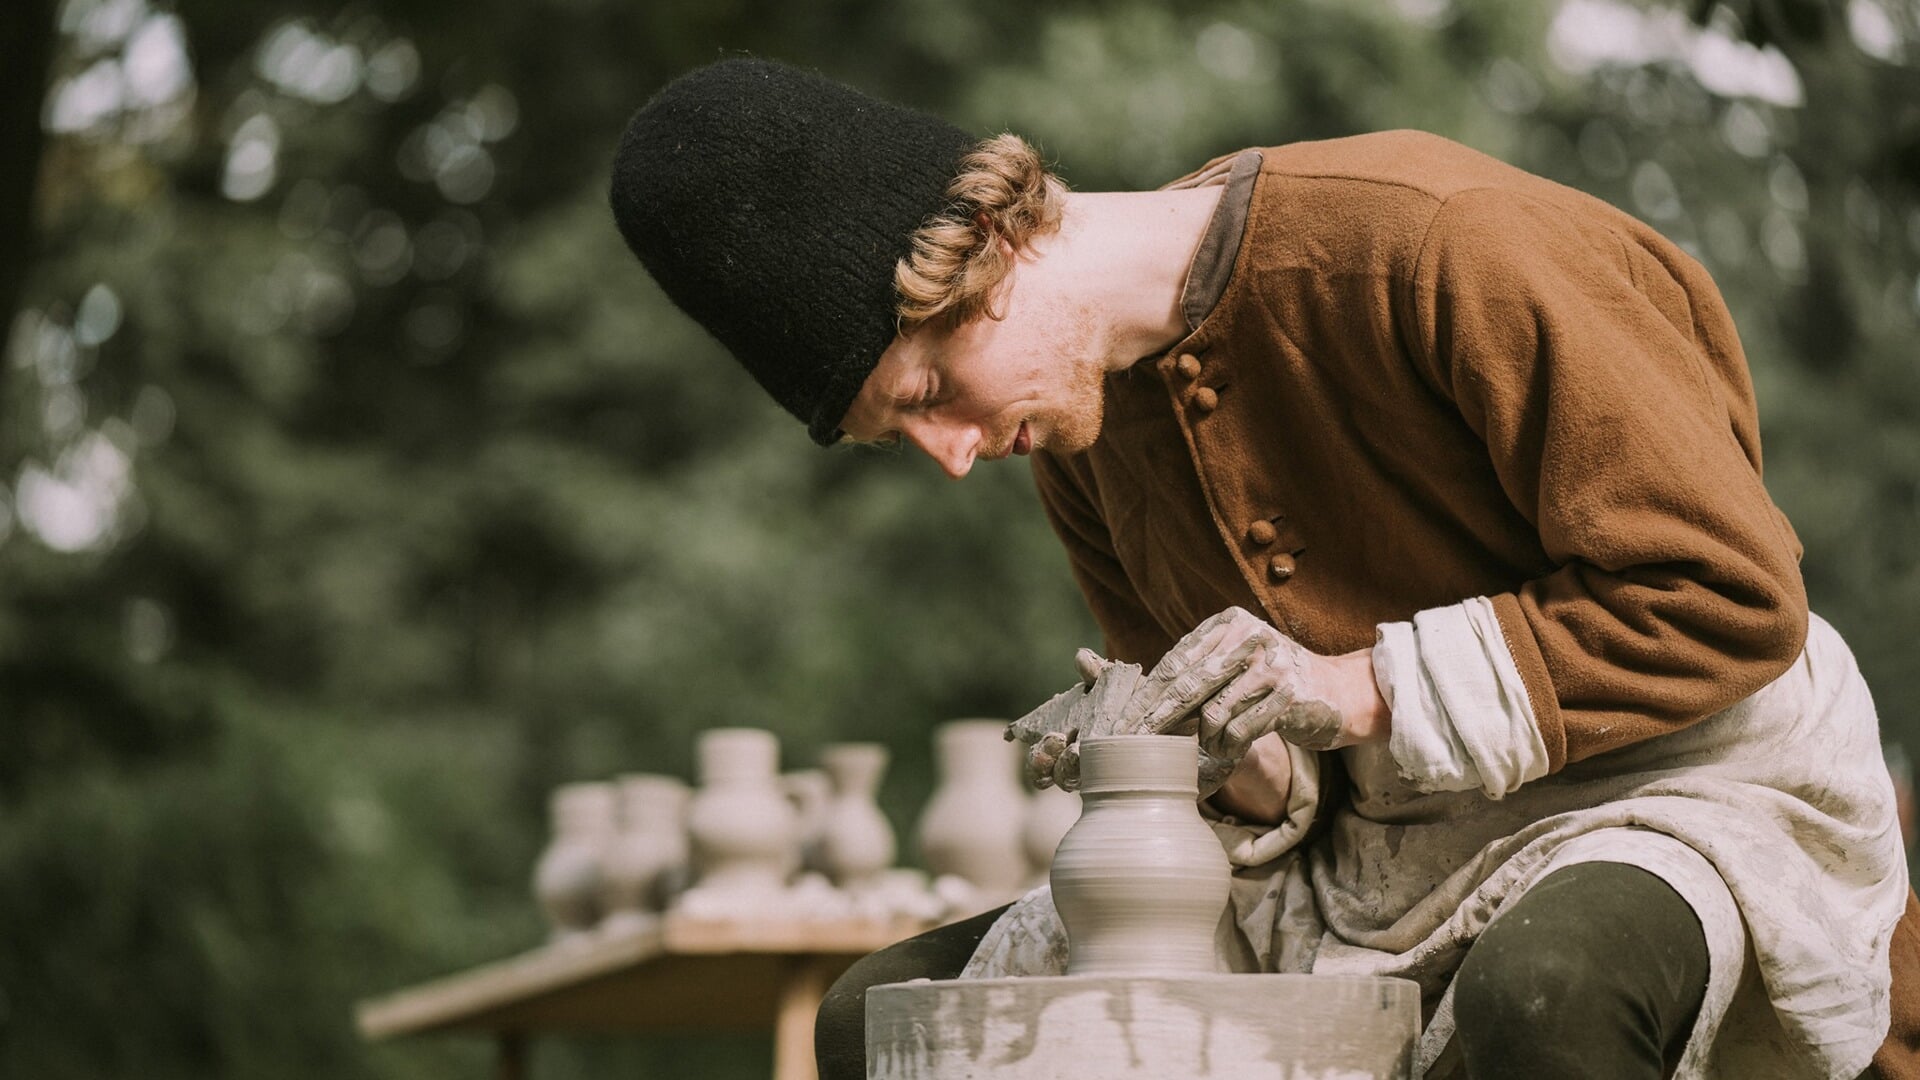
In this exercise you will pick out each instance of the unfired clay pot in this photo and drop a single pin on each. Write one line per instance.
(971, 827)
(1050, 813)
(1140, 881)
(743, 827)
(567, 879)
(856, 840)
(811, 792)
(649, 854)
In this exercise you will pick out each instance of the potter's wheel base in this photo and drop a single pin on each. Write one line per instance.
(1144, 1027)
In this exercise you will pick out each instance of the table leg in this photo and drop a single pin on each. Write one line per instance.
(511, 1062)
(805, 984)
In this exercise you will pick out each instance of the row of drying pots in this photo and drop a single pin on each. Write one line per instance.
(623, 851)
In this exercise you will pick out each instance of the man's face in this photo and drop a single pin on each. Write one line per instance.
(990, 387)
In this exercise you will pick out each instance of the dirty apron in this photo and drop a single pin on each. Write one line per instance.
(1774, 819)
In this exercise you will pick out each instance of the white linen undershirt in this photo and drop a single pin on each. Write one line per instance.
(1461, 718)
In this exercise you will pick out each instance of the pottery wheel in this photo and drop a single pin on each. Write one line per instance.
(1144, 1027)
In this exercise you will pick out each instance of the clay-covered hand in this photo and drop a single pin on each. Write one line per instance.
(1236, 678)
(1093, 706)
(1102, 703)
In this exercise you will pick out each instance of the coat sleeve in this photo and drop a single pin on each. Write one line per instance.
(1132, 634)
(1600, 369)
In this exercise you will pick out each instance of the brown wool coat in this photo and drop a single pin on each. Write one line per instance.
(1432, 376)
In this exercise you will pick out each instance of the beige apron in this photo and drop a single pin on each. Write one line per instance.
(1773, 818)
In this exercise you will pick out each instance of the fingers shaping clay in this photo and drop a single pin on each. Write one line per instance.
(1118, 701)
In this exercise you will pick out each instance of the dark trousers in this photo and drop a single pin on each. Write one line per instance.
(1597, 971)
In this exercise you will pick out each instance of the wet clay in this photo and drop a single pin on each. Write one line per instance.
(1107, 701)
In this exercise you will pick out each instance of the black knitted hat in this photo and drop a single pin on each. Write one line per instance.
(771, 205)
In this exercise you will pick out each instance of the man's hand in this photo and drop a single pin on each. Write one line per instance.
(1051, 730)
(1097, 705)
(1236, 678)
(1101, 704)
(1233, 679)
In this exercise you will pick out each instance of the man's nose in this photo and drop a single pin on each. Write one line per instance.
(954, 446)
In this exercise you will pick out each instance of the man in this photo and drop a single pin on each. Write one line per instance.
(1395, 463)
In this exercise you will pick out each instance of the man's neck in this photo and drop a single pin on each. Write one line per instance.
(1129, 252)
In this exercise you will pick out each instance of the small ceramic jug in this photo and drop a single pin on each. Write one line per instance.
(1140, 881)
(811, 792)
(567, 879)
(744, 829)
(1049, 815)
(650, 852)
(856, 840)
(971, 827)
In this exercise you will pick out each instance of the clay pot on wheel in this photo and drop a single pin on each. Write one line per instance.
(1140, 881)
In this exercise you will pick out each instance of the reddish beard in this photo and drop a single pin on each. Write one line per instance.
(1077, 427)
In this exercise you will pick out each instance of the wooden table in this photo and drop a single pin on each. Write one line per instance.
(676, 974)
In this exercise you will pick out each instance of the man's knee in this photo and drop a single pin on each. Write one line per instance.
(1601, 961)
(1518, 982)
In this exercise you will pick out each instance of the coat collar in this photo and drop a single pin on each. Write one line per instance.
(1213, 260)
(1219, 246)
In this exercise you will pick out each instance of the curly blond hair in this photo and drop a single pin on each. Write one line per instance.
(1003, 192)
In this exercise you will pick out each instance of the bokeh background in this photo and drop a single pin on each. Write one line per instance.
(357, 487)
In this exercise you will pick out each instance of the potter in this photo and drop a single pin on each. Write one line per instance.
(1425, 492)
